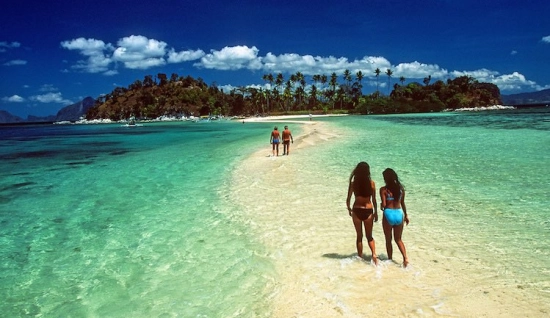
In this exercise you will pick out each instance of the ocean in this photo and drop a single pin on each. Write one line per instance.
(184, 219)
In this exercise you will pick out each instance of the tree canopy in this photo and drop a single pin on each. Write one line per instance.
(161, 95)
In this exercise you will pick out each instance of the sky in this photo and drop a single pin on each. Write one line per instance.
(55, 53)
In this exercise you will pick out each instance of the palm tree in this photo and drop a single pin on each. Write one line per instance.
(268, 78)
(402, 80)
(427, 80)
(323, 82)
(333, 83)
(300, 91)
(287, 94)
(278, 83)
(347, 78)
(389, 73)
(313, 95)
(359, 76)
(377, 72)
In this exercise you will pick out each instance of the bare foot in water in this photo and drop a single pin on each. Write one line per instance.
(375, 260)
(405, 262)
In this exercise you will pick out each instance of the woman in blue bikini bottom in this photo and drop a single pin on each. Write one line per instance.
(393, 216)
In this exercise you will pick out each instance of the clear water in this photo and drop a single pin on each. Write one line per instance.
(191, 220)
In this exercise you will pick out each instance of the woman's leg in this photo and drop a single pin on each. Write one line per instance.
(368, 233)
(398, 231)
(388, 236)
(359, 238)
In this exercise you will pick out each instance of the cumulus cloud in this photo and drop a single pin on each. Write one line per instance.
(13, 99)
(232, 58)
(15, 62)
(97, 61)
(506, 82)
(50, 98)
(139, 52)
(184, 56)
(134, 52)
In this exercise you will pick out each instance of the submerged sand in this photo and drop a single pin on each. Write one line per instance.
(311, 240)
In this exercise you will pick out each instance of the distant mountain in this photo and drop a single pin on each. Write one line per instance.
(7, 118)
(75, 111)
(68, 113)
(527, 98)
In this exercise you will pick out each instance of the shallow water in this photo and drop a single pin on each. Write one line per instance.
(192, 219)
(477, 241)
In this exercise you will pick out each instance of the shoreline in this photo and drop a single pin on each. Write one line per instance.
(309, 240)
(286, 118)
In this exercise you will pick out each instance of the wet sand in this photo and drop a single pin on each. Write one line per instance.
(301, 218)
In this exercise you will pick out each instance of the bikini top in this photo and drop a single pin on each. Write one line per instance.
(389, 195)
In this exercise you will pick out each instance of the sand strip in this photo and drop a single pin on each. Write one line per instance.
(300, 217)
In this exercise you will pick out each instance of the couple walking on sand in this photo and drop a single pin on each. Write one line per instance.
(364, 210)
(275, 139)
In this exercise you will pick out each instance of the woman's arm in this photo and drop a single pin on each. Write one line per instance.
(382, 198)
(374, 203)
(404, 208)
(348, 199)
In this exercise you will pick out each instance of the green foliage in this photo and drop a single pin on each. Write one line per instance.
(183, 96)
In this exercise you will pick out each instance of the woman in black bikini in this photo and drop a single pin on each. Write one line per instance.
(364, 210)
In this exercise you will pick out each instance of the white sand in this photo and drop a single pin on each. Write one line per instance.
(309, 236)
(288, 118)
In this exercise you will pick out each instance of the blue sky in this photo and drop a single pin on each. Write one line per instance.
(54, 53)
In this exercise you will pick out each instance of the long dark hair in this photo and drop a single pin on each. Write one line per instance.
(361, 179)
(392, 183)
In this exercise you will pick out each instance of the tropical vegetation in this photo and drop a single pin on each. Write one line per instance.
(161, 95)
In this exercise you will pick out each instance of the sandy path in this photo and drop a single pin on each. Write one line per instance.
(310, 238)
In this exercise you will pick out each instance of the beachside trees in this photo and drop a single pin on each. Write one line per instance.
(158, 96)
(389, 73)
(377, 72)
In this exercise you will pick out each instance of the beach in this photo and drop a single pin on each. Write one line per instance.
(197, 219)
(311, 238)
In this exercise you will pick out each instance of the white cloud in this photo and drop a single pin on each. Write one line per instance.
(134, 52)
(310, 65)
(514, 52)
(50, 98)
(418, 70)
(13, 99)
(15, 62)
(97, 61)
(505, 82)
(514, 81)
(86, 46)
(139, 52)
(232, 58)
(184, 56)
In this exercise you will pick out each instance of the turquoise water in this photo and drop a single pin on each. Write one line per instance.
(108, 221)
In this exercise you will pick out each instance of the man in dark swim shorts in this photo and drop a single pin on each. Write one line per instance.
(274, 140)
(287, 137)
